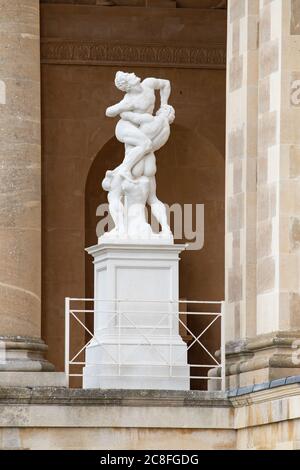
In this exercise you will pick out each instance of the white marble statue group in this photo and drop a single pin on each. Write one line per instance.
(132, 184)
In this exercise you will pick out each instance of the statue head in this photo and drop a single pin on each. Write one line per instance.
(167, 111)
(126, 81)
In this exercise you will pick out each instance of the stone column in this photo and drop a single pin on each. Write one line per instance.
(266, 351)
(20, 194)
(242, 103)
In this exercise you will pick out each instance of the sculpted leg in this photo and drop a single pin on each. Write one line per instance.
(113, 184)
(116, 210)
(158, 208)
(137, 142)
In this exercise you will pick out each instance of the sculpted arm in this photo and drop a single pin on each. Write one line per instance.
(118, 108)
(163, 86)
(137, 118)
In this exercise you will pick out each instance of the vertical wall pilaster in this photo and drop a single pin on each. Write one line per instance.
(268, 168)
(242, 93)
(278, 305)
(266, 349)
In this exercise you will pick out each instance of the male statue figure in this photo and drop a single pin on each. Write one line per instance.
(142, 133)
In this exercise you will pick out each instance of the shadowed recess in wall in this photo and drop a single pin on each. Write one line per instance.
(222, 4)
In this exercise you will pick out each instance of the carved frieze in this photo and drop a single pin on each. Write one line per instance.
(150, 55)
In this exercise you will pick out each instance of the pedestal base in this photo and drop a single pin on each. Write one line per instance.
(23, 354)
(22, 364)
(137, 343)
(133, 364)
(263, 359)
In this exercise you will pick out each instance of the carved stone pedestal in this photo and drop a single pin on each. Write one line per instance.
(136, 341)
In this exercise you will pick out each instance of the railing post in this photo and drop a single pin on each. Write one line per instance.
(170, 321)
(119, 337)
(223, 352)
(67, 339)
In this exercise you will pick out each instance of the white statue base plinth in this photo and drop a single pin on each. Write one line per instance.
(136, 341)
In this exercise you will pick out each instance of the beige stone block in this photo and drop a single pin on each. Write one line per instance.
(264, 95)
(269, 58)
(230, 326)
(252, 38)
(267, 130)
(20, 311)
(229, 178)
(294, 309)
(265, 25)
(289, 272)
(131, 439)
(22, 154)
(235, 286)
(237, 176)
(235, 44)
(236, 70)
(33, 379)
(264, 239)
(16, 215)
(279, 20)
(236, 249)
(265, 274)
(275, 156)
(252, 70)
(237, 9)
(253, 7)
(235, 109)
(295, 233)
(19, 131)
(22, 100)
(238, 320)
(267, 318)
(18, 17)
(290, 130)
(251, 180)
(289, 197)
(294, 161)
(295, 17)
(266, 202)
(262, 171)
(19, 56)
(251, 144)
(236, 143)
(20, 261)
(275, 92)
(295, 89)
(235, 215)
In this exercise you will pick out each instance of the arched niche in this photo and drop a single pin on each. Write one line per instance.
(191, 171)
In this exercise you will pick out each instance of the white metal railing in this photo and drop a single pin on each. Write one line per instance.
(192, 334)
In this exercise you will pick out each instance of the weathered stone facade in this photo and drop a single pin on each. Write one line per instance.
(48, 205)
(263, 307)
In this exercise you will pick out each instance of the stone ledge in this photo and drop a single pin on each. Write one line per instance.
(32, 379)
(65, 396)
(238, 392)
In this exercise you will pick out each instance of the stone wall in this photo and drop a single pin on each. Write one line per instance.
(265, 348)
(61, 419)
(82, 48)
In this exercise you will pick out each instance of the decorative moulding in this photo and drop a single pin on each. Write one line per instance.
(59, 51)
